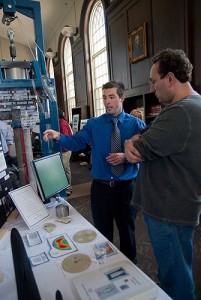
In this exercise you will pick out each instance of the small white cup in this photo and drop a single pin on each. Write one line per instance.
(100, 254)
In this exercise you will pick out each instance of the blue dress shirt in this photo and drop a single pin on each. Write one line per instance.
(97, 133)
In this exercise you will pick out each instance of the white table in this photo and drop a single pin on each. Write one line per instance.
(50, 276)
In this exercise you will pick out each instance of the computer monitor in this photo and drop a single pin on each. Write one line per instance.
(50, 176)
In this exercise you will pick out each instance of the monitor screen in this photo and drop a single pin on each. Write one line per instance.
(50, 175)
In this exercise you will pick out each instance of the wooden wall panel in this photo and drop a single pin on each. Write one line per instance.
(122, 20)
(195, 42)
(59, 85)
(79, 73)
(138, 14)
(168, 24)
(118, 49)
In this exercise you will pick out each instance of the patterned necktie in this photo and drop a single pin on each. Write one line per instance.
(116, 147)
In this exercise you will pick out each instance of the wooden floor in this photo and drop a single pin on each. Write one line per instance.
(80, 199)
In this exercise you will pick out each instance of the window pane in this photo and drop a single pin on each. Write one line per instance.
(98, 55)
(51, 69)
(69, 76)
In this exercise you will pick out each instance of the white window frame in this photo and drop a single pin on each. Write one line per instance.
(51, 68)
(98, 55)
(69, 78)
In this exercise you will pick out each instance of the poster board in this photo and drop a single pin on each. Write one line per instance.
(83, 122)
(75, 124)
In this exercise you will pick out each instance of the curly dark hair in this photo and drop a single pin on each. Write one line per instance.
(175, 61)
(115, 84)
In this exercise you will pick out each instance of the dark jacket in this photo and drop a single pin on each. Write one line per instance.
(168, 185)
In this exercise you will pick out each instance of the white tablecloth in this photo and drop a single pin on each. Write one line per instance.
(50, 276)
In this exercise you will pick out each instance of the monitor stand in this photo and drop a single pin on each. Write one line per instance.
(56, 200)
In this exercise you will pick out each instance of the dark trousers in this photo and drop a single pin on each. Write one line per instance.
(114, 203)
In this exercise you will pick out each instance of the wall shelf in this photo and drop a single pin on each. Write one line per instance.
(147, 103)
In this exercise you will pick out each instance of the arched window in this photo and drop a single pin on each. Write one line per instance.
(69, 77)
(51, 68)
(98, 55)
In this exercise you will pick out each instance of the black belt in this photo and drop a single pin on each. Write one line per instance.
(114, 183)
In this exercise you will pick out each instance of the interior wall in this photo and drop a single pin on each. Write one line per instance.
(79, 76)
(169, 24)
(72, 19)
(160, 18)
(195, 42)
(23, 52)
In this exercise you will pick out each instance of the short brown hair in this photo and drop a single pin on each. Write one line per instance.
(115, 84)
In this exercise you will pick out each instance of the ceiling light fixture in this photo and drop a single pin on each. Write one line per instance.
(69, 31)
(50, 54)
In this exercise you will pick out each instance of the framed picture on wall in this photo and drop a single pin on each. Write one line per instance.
(137, 44)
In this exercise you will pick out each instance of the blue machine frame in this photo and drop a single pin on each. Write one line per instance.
(32, 10)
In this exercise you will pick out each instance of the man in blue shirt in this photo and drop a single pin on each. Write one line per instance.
(110, 195)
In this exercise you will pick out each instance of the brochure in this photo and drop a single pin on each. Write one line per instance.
(29, 205)
(121, 280)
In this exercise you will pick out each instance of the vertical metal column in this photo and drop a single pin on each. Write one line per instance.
(29, 157)
(18, 147)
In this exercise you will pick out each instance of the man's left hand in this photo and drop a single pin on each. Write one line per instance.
(116, 158)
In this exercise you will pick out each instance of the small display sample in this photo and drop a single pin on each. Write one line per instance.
(33, 238)
(61, 245)
(38, 259)
(108, 248)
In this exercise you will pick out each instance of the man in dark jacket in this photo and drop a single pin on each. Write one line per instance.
(168, 186)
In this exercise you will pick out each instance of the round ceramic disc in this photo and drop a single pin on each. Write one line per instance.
(84, 236)
(76, 263)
